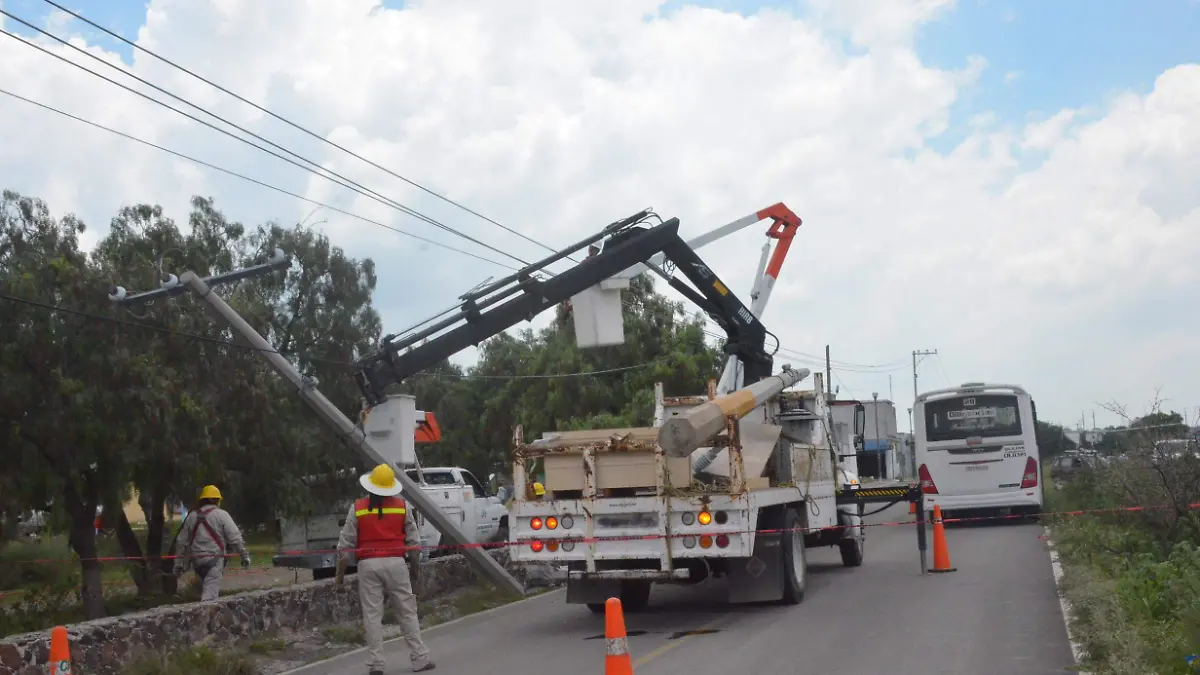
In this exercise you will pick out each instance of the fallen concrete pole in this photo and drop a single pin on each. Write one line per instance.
(681, 435)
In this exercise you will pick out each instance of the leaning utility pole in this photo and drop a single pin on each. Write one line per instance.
(306, 388)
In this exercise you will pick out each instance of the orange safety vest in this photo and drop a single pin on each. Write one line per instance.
(381, 532)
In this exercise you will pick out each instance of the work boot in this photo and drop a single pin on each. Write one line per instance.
(428, 666)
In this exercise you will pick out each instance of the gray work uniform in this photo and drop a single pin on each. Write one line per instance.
(384, 578)
(207, 534)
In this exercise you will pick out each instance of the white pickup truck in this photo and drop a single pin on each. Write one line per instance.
(309, 543)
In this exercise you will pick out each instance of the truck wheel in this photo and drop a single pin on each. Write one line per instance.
(635, 595)
(596, 607)
(852, 551)
(795, 559)
(320, 573)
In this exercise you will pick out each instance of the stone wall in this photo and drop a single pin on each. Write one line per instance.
(103, 646)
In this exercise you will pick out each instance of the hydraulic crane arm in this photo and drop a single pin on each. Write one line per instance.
(490, 310)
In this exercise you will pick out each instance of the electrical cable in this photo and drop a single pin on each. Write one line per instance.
(333, 176)
(298, 127)
(253, 180)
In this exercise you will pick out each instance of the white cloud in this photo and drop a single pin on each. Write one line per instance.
(1048, 255)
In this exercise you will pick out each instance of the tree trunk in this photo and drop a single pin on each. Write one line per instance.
(83, 542)
(153, 504)
(132, 550)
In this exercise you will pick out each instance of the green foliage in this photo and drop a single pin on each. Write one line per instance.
(1052, 439)
(1133, 578)
(94, 411)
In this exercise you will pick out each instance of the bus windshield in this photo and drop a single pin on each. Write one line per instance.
(984, 416)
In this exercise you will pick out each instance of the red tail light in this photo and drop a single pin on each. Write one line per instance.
(536, 546)
(1030, 479)
(722, 541)
(927, 485)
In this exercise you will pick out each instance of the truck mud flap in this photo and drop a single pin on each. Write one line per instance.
(758, 578)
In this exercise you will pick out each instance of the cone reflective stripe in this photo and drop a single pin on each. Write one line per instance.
(941, 555)
(616, 643)
(60, 652)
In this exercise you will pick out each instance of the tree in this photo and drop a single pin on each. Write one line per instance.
(1052, 439)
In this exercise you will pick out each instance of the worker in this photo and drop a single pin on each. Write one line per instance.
(380, 534)
(209, 532)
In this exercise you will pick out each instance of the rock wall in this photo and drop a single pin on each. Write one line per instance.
(103, 646)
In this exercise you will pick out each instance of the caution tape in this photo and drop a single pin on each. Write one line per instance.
(639, 537)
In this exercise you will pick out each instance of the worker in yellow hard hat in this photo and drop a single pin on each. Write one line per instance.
(209, 533)
(380, 533)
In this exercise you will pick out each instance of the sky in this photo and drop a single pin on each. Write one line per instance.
(1011, 183)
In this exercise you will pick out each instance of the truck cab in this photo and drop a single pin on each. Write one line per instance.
(310, 542)
(460, 495)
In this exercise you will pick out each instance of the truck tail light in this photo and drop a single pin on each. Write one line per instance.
(706, 541)
(536, 523)
(722, 541)
(536, 545)
(551, 523)
(704, 518)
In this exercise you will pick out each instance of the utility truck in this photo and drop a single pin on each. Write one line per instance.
(736, 483)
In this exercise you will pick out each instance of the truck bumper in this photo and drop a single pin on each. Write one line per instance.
(630, 575)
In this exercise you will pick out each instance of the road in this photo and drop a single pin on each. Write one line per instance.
(997, 615)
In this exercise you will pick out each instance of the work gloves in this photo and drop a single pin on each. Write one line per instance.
(246, 562)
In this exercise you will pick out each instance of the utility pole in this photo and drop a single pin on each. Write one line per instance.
(828, 375)
(891, 392)
(307, 389)
(915, 354)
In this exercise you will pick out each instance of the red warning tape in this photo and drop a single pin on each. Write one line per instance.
(643, 537)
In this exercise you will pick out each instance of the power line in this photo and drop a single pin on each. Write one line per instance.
(297, 126)
(254, 180)
(333, 176)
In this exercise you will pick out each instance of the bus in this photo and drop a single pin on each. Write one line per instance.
(976, 448)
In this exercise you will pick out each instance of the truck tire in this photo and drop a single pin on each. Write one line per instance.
(852, 551)
(795, 559)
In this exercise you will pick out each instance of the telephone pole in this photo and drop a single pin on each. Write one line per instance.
(915, 354)
(828, 375)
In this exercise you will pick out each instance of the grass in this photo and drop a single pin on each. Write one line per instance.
(351, 635)
(266, 646)
(1135, 596)
(195, 661)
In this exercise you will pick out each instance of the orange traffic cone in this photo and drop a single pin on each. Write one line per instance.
(912, 508)
(616, 659)
(60, 652)
(941, 556)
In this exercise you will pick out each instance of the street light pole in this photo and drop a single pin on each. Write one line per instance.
(879, 451)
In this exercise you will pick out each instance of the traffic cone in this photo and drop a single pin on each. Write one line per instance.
(60, 652)
(616, 644)
(912, 508)
(941, 556)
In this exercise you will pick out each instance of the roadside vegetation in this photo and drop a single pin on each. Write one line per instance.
(1133, 577)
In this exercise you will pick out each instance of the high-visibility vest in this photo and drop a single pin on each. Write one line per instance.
(381, 531)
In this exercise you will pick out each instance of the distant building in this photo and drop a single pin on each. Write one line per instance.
(881, 450)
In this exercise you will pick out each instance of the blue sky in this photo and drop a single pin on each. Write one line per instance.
(1042, 56)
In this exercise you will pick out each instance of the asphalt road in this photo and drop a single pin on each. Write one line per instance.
(997, 615)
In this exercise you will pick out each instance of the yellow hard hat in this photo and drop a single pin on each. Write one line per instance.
(539, 489)
(210, 492)
(381, 481)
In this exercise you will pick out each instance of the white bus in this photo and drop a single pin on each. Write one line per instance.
(976, 448)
